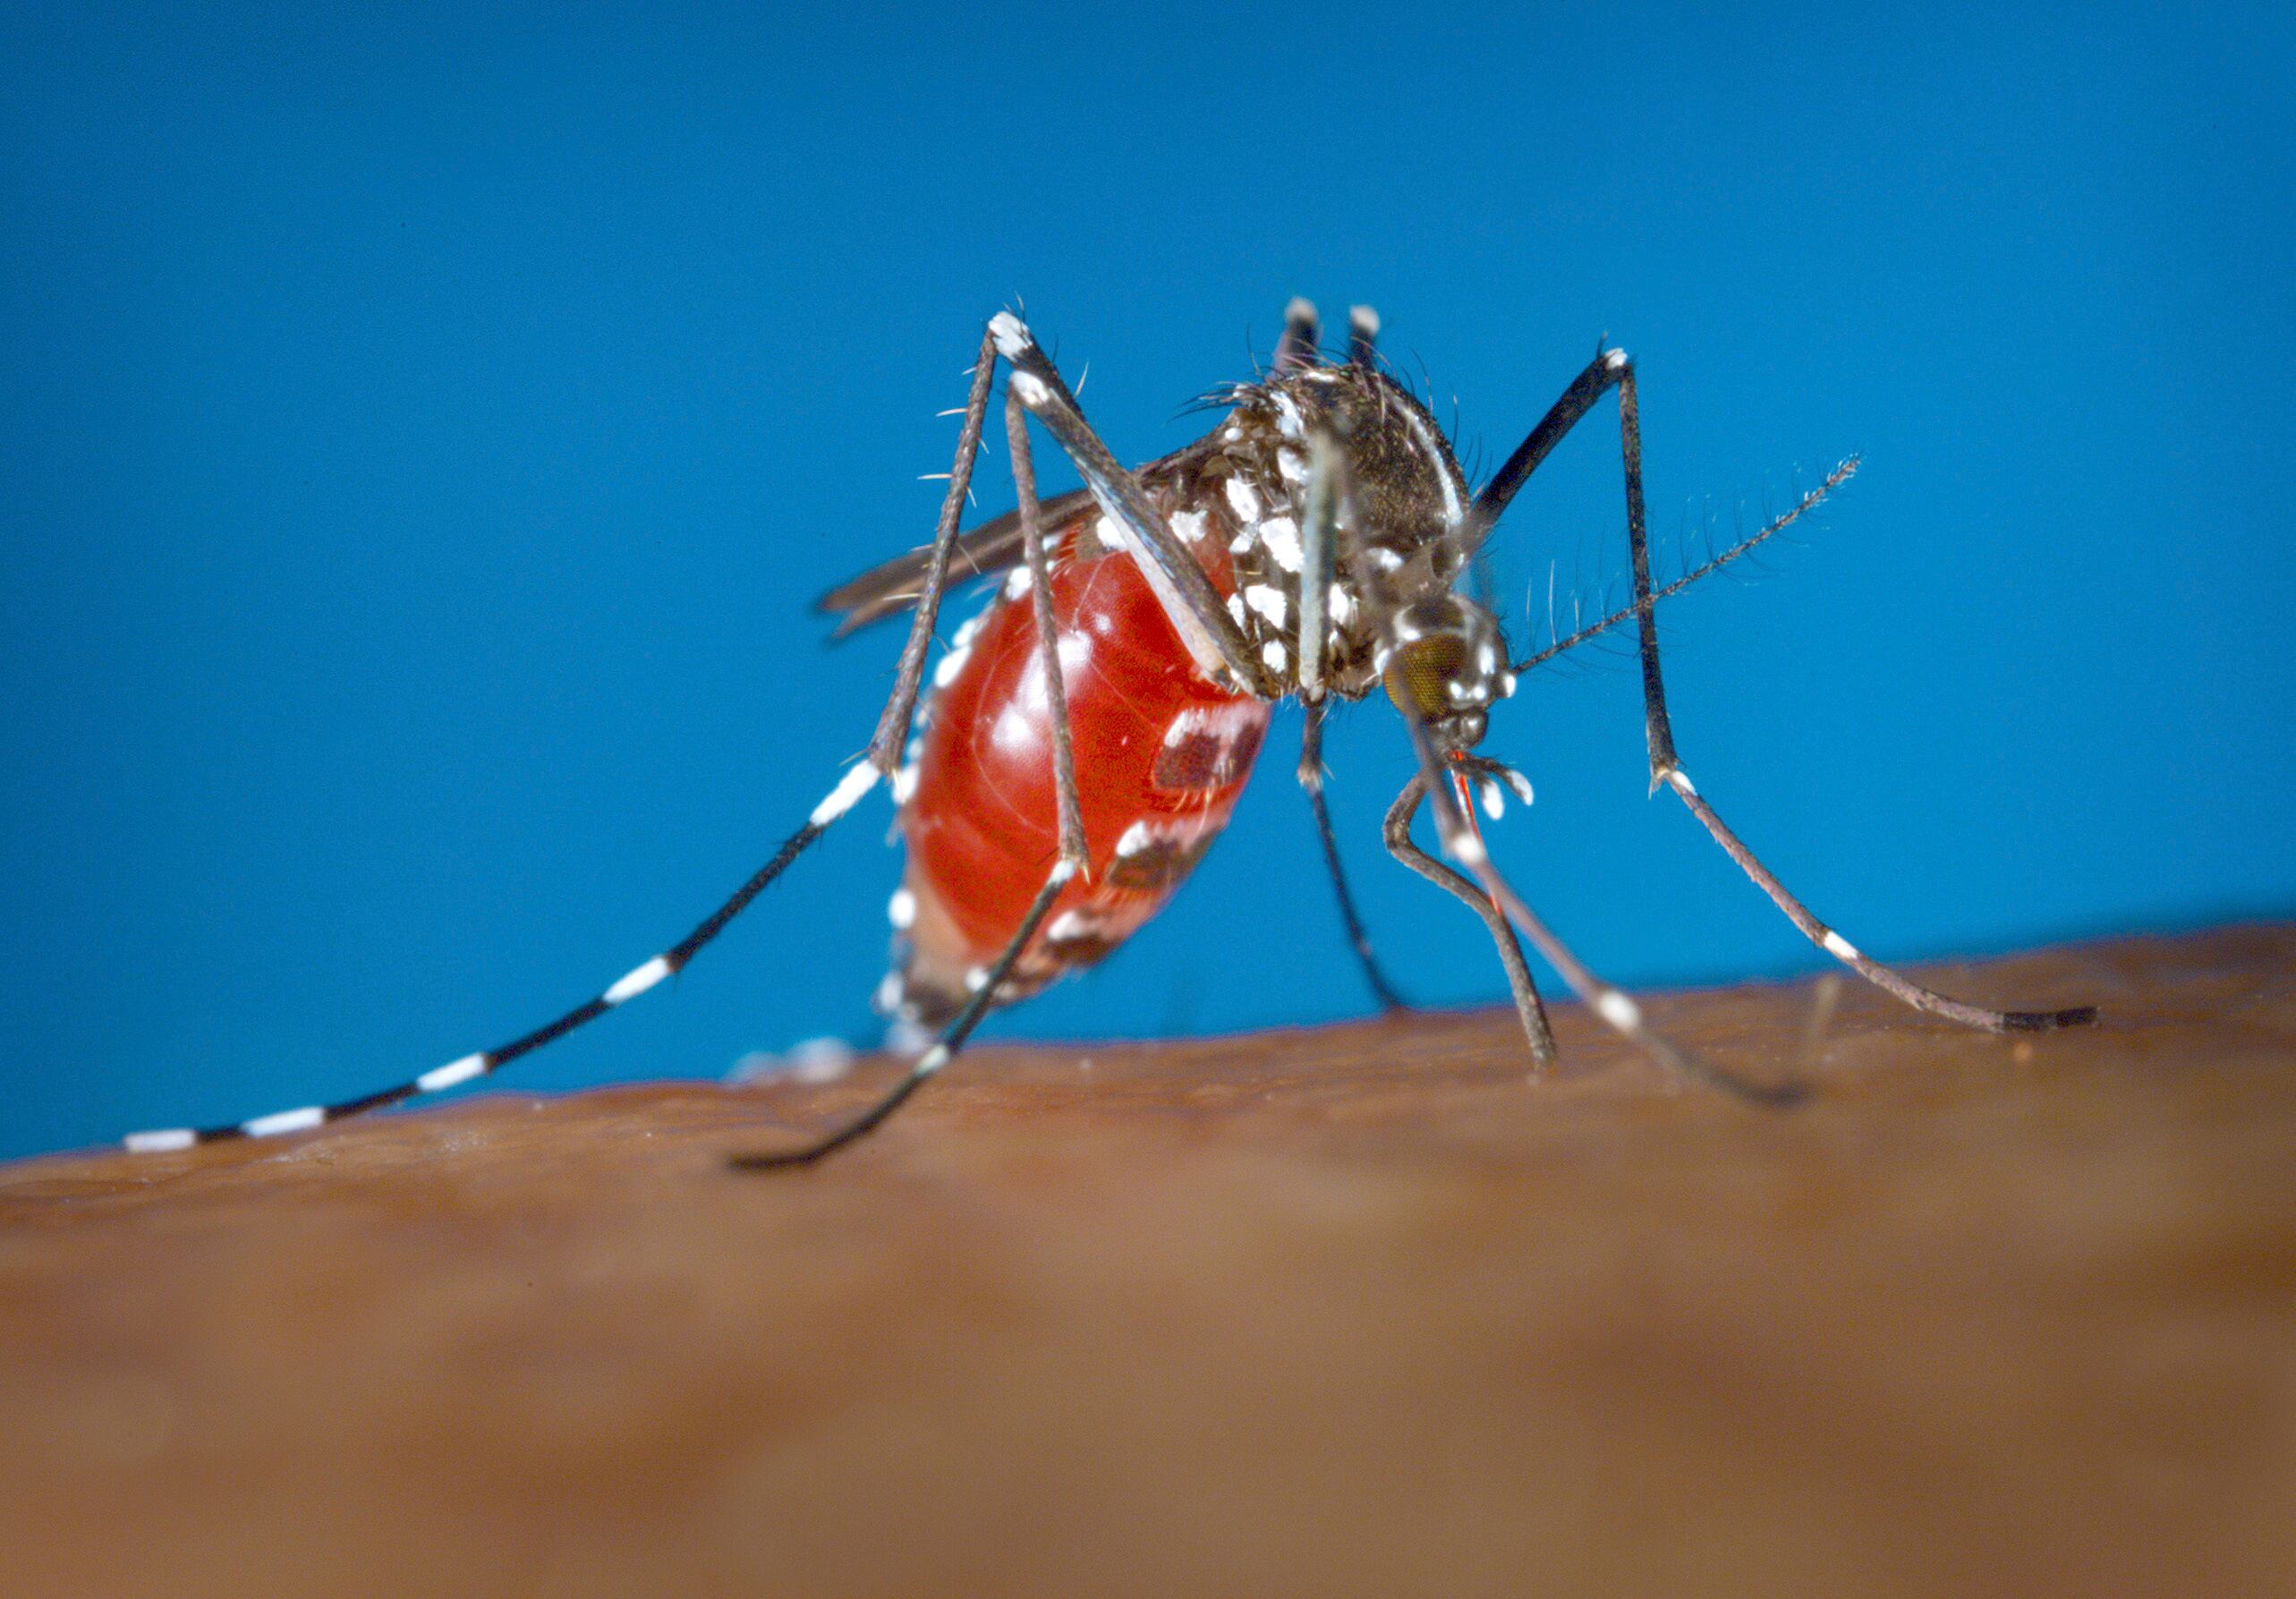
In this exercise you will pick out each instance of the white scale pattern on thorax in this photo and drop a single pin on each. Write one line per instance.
(1253, 498)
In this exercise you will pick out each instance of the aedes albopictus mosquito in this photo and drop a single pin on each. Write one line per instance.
(1088, 736)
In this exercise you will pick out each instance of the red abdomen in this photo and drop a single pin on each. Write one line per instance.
(1161, 756)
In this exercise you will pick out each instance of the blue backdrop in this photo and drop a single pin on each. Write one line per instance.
(422, 435)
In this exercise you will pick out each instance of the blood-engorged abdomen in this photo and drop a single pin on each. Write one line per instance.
(1162, 757)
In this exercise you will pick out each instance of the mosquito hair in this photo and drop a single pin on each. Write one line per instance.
(1696, 552)
(1469, 453)
(1222, 396)
(1808, 502)
(1482, 578)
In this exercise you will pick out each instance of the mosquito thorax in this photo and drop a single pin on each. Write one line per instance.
(1249, 486)
(1449, 665)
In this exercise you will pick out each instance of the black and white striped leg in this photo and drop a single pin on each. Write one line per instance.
(1666, 768)
(1072, 862)
(1611, 368)
(1311, 778)
(1193, 606)
(858, 781)
(1048, 638)
(1615, 1006)
(944, 1049)
(1319, 540)
(892, 735)
(1880, 977)
(884, 753)
(1464, 845)
(1527, 1004)
(1599, 376)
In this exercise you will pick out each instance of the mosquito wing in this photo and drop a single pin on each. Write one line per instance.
(993, 547)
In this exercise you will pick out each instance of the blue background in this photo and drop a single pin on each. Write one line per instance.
(423, 434)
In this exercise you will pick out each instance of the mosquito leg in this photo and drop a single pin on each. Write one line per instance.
(1311, 778)
(884, 750)
(1073, 853)
(1073, 860)
(1601, 374)
(1194, 607)
(1883, 977)
(1527, 1005)
(1614, 1006)
(943, 1051)
(1666, 768)
(1610, 368)
(892, 732)
(1318, 537)
(1319, 541)
(1463, 844)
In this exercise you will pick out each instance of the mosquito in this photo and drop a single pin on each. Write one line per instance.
(1085, 739)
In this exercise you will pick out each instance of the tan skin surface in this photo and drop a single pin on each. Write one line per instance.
(1351, 1311)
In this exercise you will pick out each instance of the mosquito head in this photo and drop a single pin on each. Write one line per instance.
(1449, 663)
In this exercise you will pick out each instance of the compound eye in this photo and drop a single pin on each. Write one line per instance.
(1420, 675)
